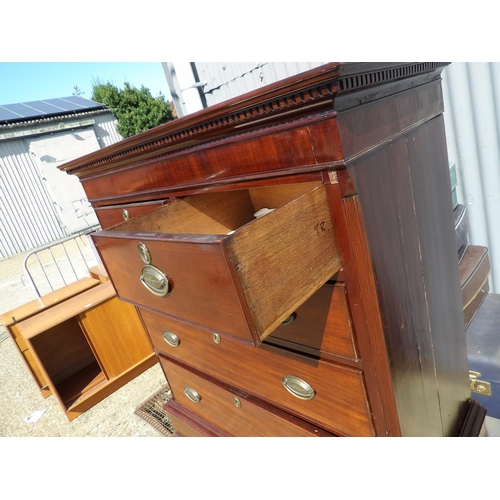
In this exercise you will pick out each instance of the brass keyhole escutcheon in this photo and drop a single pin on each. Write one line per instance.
(236, 402)
(216, 338)
(170, 338)
(125, 214)
(144, 252)
(192, 395)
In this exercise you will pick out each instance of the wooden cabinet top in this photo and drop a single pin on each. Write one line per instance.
(37, 305)
(58, 314)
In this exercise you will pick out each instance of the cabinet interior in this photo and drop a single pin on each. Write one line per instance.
(214, 213)
(68, 360)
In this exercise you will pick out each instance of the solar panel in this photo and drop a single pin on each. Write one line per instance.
(47, 107)
(74, 103)
(5, 114)
(19, 110)
(78, 102)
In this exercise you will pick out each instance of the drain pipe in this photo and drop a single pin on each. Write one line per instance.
(185, 87)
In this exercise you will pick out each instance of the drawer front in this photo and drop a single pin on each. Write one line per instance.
(252, 272)
(113, 215)
(323, 324)
(200, 280)
(237, 413)
(474, 270)
(186, 424)
(339, 403)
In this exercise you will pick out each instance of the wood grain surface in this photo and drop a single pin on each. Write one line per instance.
(251, 418)
(322, 325)
(340, 404)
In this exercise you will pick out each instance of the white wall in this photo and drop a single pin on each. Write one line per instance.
(65, 190)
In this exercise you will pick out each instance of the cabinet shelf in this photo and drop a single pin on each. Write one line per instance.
(72, 389)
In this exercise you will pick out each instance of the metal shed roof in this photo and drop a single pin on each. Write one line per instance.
(12, 113)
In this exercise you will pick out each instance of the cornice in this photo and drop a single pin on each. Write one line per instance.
(286, 100)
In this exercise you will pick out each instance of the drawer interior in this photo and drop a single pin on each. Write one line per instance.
(217, 253)
(322, 326)
(214, 213)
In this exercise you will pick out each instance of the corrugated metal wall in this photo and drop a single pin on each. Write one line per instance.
(105, 129)
(472, 117)
(226, 80)
(471, 94)
(29, 216)
(222, 81)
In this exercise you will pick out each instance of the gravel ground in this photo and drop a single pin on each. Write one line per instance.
(20, 397)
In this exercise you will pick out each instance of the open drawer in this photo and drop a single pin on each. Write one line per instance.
(207, 259)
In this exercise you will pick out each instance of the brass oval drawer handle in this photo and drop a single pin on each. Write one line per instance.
(192, 395)
(298, 387)
(289, 319)
(155, 281)
(170, 338)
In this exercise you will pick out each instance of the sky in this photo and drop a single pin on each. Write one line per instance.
(36, 81)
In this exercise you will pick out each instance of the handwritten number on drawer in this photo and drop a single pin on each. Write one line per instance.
(320, 228)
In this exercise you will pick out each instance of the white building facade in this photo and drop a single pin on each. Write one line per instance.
(39, 203)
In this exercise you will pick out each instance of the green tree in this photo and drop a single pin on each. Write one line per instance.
(135, 109)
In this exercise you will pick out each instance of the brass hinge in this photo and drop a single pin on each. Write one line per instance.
(479, 386)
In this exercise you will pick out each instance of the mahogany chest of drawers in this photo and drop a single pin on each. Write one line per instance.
(292, 254)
